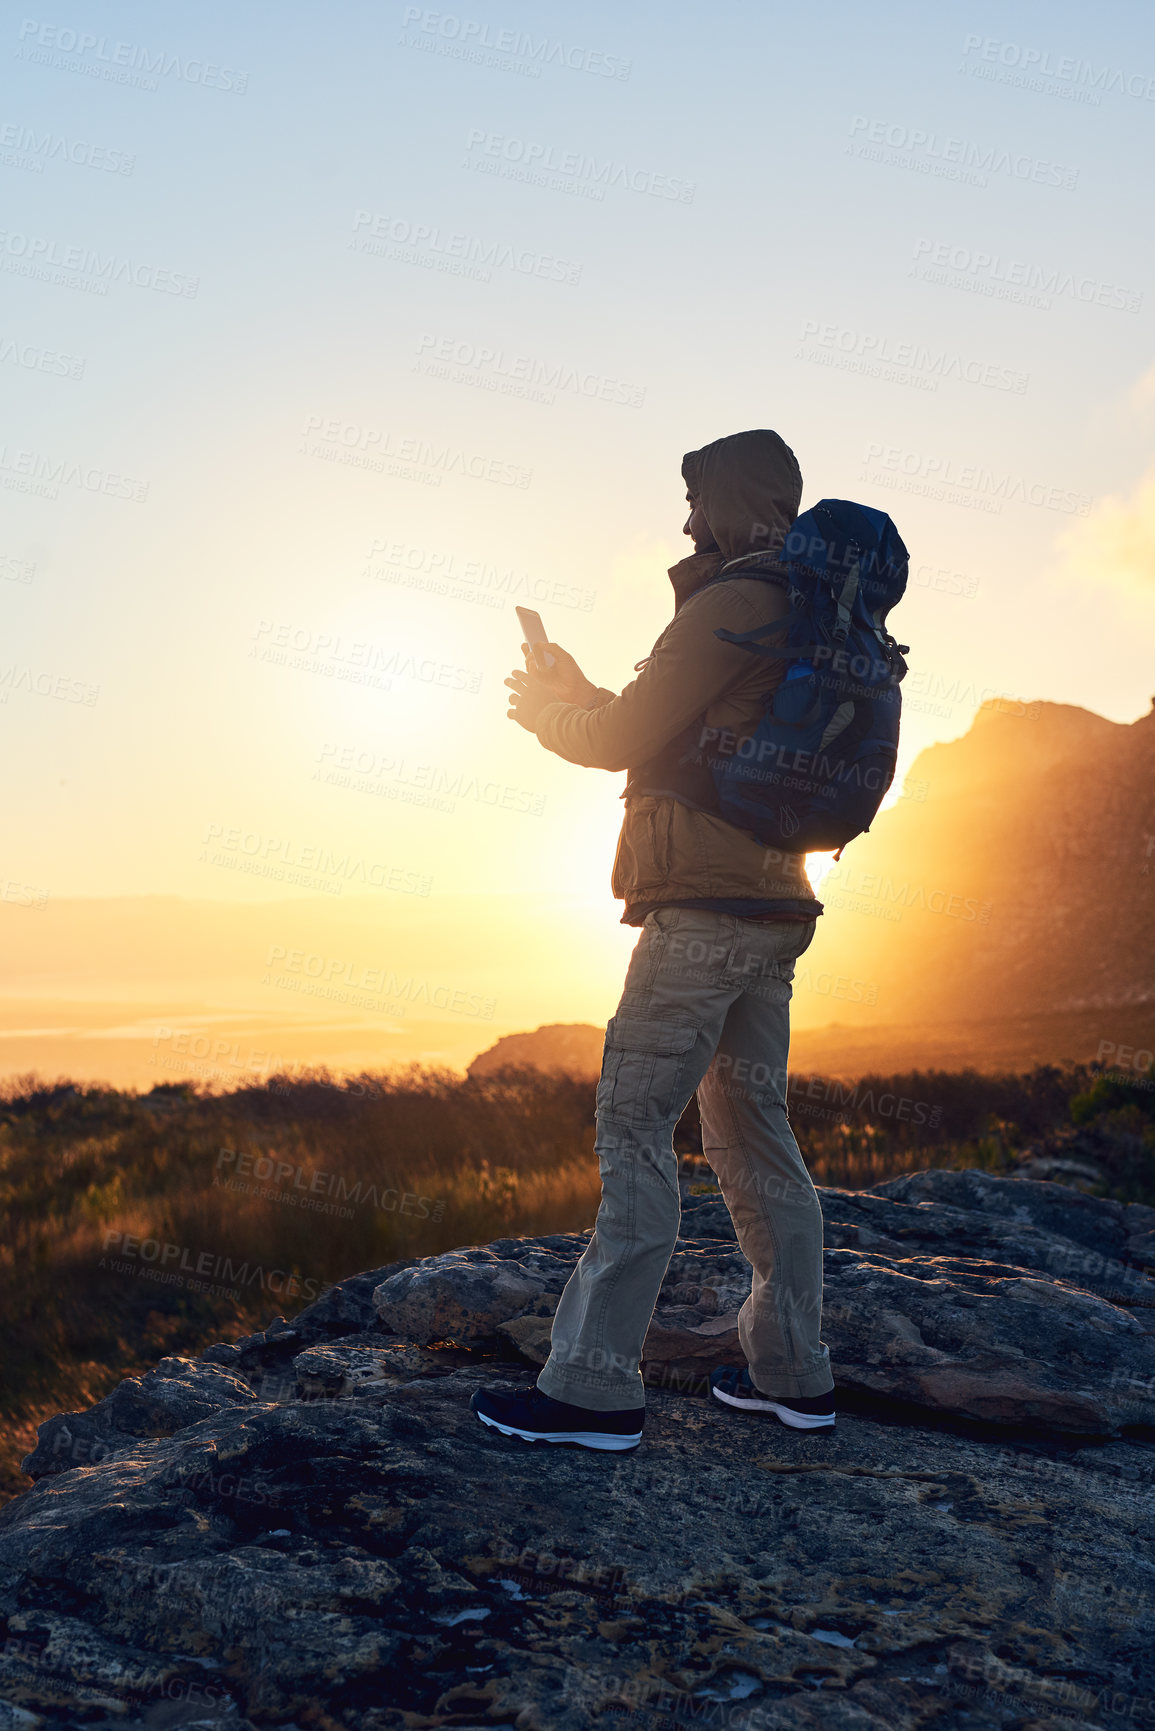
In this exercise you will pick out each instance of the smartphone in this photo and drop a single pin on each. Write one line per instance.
(534, 633)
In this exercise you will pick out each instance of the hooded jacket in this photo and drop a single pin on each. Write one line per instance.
(670, 854)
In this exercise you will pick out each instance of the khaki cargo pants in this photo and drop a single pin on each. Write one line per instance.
(706, 1006)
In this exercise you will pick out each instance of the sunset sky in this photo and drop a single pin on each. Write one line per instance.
(411, 315)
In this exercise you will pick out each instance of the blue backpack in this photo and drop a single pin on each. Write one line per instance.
(814, 771)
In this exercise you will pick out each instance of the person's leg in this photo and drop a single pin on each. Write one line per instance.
(746, 1137)
(658, 1045)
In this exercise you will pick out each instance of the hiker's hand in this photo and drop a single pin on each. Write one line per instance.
(565, 678)
(529, 695)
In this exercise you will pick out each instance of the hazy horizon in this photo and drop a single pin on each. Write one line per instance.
(934, 946)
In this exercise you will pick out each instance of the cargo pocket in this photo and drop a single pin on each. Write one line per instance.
(643, 1068)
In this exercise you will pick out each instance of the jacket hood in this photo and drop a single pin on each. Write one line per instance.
(749, 486)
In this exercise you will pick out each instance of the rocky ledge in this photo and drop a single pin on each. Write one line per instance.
(309, 1528)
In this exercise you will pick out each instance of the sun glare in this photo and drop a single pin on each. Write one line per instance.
(818, 869)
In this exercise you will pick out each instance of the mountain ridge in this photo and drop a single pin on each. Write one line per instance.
(1017, 875)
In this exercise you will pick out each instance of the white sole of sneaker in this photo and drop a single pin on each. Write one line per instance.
(796, 1420)
(587, 1439)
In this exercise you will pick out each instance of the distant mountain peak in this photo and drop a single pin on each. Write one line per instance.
(563, 1048)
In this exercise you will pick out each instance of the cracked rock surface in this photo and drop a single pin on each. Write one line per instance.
(309, 1527)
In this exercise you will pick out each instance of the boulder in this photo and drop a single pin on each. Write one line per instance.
(1116, 1231)
(165, 1400)
(947, 1290)
(308, 1527)
(386, 1563)
(461, 1297)
(990, 1298)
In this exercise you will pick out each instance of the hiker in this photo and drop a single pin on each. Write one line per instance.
(705, 1005)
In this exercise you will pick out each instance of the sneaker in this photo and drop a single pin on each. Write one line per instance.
(535, 1417)
(732, 1386)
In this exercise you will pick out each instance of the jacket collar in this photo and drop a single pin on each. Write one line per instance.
(689, 574)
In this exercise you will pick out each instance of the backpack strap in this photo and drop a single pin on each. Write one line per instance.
(772, 571)
(845, 602)
(744, 641)
(764, 564)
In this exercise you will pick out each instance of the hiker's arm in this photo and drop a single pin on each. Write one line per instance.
(689, 668)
